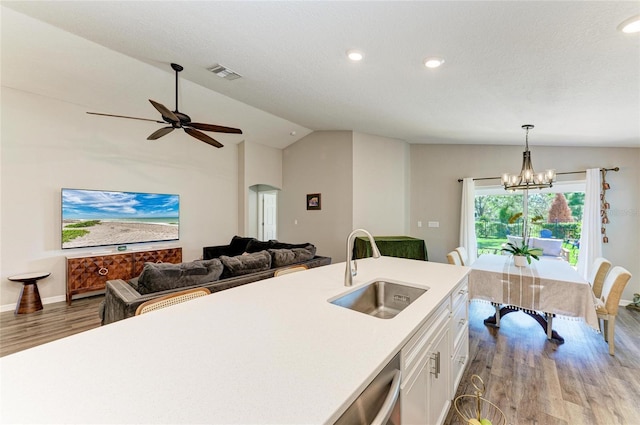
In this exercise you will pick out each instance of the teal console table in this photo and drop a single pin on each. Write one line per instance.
(392, 246)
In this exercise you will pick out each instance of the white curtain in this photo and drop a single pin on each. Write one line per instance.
(590, 238)
(467, 219)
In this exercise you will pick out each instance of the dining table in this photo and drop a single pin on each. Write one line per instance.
(544, 289)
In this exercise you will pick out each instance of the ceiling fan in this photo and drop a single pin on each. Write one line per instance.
(177, 119)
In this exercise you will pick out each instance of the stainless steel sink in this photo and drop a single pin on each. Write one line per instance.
(380, 298)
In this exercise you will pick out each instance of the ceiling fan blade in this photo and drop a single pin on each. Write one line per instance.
(203, 137)
(123, 116)
(216, 128)
(159, 133)
(164, 111)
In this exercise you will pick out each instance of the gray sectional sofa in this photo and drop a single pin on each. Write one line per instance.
(217, 271)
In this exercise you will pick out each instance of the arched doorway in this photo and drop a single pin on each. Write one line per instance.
(263, 212)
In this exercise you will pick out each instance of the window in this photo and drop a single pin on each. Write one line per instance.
(554, 212)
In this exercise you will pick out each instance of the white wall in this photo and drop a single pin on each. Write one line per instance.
(263, 165)
(49, 142)
(380, 184)
(435, 192)
(318, 163)
(258, 165)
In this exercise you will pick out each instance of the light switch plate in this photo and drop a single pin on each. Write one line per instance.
(434, 224)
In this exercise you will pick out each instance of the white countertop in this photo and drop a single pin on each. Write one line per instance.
(273, 351)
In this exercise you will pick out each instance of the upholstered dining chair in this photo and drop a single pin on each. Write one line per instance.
(291, 269)
(171, 299)
(454, 258)
(464, 257)
(598, 272)
(607, 307)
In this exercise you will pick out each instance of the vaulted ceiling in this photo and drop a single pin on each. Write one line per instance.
(562, 66)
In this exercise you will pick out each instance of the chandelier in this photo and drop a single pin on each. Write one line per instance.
(528, 179)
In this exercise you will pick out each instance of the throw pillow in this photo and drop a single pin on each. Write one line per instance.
(285, 257)
(238, 245)
(157, 277)
(255, 245)
(282, 245)
(245, 264)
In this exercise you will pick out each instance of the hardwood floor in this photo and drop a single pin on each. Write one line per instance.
(54, 321)
(534, 382)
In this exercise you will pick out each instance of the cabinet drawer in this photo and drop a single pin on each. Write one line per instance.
(459, 361)
(414, 349)
(460, 294)
(459, 322)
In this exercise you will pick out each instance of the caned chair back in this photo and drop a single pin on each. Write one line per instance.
(612, 288)
(598, 272)
(464, 257)
(172, 299)
(607, 309)
(291, 269)
(454, 258)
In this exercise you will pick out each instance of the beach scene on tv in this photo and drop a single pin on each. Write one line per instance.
(97, 218)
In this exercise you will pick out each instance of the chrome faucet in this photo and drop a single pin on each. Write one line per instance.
(349, 272)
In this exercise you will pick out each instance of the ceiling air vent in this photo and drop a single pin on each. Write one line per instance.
(224, 72)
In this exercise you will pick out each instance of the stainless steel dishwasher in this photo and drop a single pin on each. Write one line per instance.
(379, 403)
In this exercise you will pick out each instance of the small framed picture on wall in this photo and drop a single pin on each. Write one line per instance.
(313, 201)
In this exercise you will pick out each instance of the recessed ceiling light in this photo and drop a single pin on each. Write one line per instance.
(433, 62)
(631, 25)
(355, 55)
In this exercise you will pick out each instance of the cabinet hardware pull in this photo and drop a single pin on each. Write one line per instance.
(463, 359)
(436, 358)
(103, 271)
(159, 262)
(462, 322)
(462, 291)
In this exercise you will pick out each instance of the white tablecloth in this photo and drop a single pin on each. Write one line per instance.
(548, 285)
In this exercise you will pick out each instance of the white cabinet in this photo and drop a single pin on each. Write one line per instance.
(439, 382)
(430, 361)
(413, 401)
(459, 333)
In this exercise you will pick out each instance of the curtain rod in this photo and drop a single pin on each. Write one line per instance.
(557, 174)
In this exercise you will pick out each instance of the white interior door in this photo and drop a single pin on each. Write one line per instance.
(269, 215)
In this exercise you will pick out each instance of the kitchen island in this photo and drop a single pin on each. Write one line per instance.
(275, 351)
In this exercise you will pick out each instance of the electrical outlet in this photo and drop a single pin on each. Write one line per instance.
(419, 224)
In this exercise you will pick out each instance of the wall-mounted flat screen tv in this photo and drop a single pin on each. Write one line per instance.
(99, 218)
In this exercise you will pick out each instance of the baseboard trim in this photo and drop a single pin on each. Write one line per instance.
(49, 300)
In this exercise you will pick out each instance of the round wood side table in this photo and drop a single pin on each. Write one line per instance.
(29, 300)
